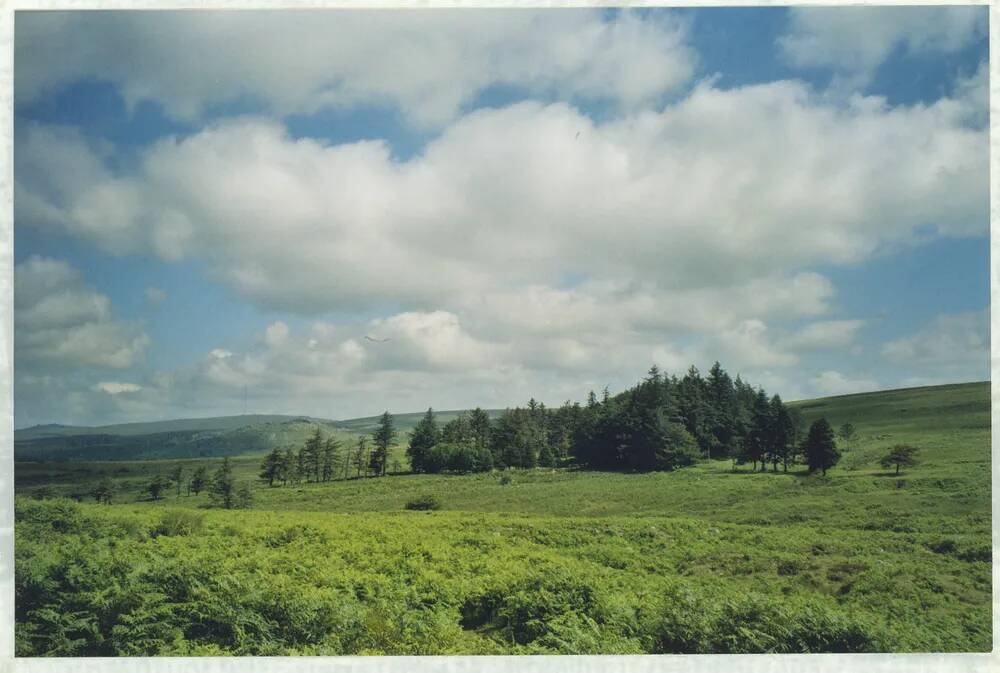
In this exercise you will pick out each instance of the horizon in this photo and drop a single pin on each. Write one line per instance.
(449, 411)
(530, 203)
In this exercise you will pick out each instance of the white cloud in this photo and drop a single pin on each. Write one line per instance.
(824, 335)
(276, 333)
(117, 387)
(953, 347)
(722, 190)
(60, 322)
(302, 61)
(855, 41)
(835, 383)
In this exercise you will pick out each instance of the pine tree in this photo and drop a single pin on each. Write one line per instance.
(820, 447)
(899, 456)
(103, 492)
(424, 436)
(222, 488)
(271, 468)
(329, 458)
(290, 467)
(157, 486)
(198, 480)
(479, 427)
(312, 456)
(383, 436)
(243, 498)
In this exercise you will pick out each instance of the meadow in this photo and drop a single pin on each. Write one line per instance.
(701, 559)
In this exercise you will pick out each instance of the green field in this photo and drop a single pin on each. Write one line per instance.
(703, 559)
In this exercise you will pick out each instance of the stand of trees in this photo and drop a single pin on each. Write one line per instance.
(662, 423)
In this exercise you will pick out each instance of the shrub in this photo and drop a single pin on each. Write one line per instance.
(506, 479)
(178, 522)
(423, 502)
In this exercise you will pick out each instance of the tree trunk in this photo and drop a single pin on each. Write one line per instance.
(897, 468)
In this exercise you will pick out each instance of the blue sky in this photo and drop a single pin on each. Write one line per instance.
(525, 203)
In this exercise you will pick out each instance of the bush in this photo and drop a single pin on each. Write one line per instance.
(506, 479)
(423, 502)
(178, 522)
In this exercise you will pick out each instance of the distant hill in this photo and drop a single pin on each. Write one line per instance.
(194, 437)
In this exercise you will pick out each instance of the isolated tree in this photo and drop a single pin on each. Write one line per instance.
(382, 437)
(198, 480)
(271, 468)
(178, 477)
(820, 447)
(103, 492)
(157, 486)
(847, 432)
(222, 488)
(900, 456)
(424, 436)
(329, 461)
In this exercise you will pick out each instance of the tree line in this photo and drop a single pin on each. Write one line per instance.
(662, 423)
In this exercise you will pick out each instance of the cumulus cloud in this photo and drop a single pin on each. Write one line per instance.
(60, 322)
(824, 335)
(155, 296)
(673, 200)
(855, 41)
(303, 61)
(952, 347)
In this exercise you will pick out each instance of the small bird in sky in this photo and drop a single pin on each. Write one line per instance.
(378, 341)
(577, 135)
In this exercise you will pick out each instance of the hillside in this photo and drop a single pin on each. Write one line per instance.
(193, 437)
(558, 560)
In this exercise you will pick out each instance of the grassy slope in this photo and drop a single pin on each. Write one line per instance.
(910, 553)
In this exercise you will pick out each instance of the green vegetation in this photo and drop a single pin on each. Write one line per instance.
(701, 559)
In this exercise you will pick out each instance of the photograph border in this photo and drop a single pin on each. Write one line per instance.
(874, 663)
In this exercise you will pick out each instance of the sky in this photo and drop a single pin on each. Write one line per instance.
(338, 212)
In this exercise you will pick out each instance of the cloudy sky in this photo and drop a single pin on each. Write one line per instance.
(512, 203)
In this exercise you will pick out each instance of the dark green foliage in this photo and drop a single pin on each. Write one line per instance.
(820, 447)
(330, 459)
(272, 468)
(103, 492)
(424, 436)
(382, 438)
(423, 502)
(899, 456)
(457, 458)
(198, 480)
(310, 457)
(156, 486)
(243, 498)
(222, 488)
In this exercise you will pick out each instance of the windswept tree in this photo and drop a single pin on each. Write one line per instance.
(900, 456)
(360, 458)
(198, 480)
(222, 488)
(272, 467)
(382, 437)
(424, 436)
(290, 467)
(820, 448)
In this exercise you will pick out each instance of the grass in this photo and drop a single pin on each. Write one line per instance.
(698, 560)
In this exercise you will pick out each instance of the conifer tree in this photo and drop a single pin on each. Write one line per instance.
(198, 480)
(382, 437)
(222, 488)
(329, 462)
(424, 436)
(820, 447)
(271, 467)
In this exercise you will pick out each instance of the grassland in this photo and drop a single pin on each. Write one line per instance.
(703, 559)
